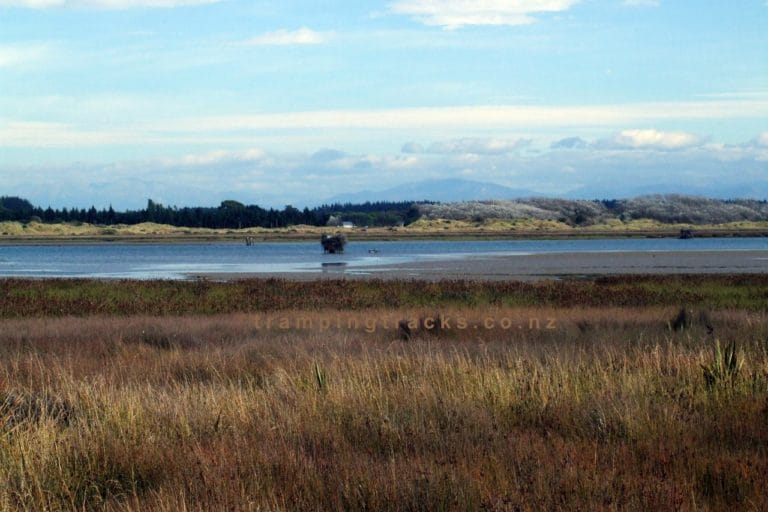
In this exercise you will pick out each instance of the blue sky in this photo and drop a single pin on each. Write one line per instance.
(194, 101)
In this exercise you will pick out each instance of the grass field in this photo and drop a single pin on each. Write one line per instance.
(277, 395)
(36, 232)
(82, 297)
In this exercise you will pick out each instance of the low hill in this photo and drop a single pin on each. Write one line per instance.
(665, 209)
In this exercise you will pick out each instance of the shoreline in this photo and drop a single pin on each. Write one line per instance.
(359, 235)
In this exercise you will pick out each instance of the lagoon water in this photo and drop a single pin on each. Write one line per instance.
(181, 261)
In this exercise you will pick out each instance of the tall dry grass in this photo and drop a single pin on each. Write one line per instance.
(607, 410)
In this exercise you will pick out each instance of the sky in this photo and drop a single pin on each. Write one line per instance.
(190, 102)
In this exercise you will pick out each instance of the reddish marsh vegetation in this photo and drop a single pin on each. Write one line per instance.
(608, 409)
(79, 297)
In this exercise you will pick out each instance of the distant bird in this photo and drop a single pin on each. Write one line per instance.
(373, 251)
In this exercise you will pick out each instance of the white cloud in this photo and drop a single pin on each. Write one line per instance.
(85, 127)
(481, 117)
(762, 140)
(377, 163)
(735, 94)
(642, 3)
(61, 135)
(469, 145)
(290, 37)
(103, 4)
(19, 55)
(32, 4)
(458, 13)
(215, 157)
(650, 139)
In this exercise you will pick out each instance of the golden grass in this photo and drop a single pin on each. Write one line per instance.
(425, 227)
(607, 409)
(35, 229)
(648, 225)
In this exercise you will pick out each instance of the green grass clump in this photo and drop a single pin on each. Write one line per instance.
(725, 367)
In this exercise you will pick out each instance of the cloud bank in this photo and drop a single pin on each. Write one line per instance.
(452, 14)
(20, 55)
(84, 127)
(302, 36)
(662, 163)
(486, 117)
(651, 139)
(642, 3)
(469, 145)
(103, 4)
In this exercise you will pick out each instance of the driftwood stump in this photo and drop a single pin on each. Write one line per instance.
(333, 244)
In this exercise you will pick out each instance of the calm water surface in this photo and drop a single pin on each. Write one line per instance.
(179, 261)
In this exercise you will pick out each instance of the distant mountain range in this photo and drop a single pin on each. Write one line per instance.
(446, 190)
(457, 190)
(133, 193)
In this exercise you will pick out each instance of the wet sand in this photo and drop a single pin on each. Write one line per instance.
(543, 266)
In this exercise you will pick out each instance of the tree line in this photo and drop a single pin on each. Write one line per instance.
(228, 215)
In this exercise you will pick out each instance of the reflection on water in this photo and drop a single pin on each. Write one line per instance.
(334, 267)
(179, 261)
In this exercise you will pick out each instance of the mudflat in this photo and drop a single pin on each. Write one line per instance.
(543, 266)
